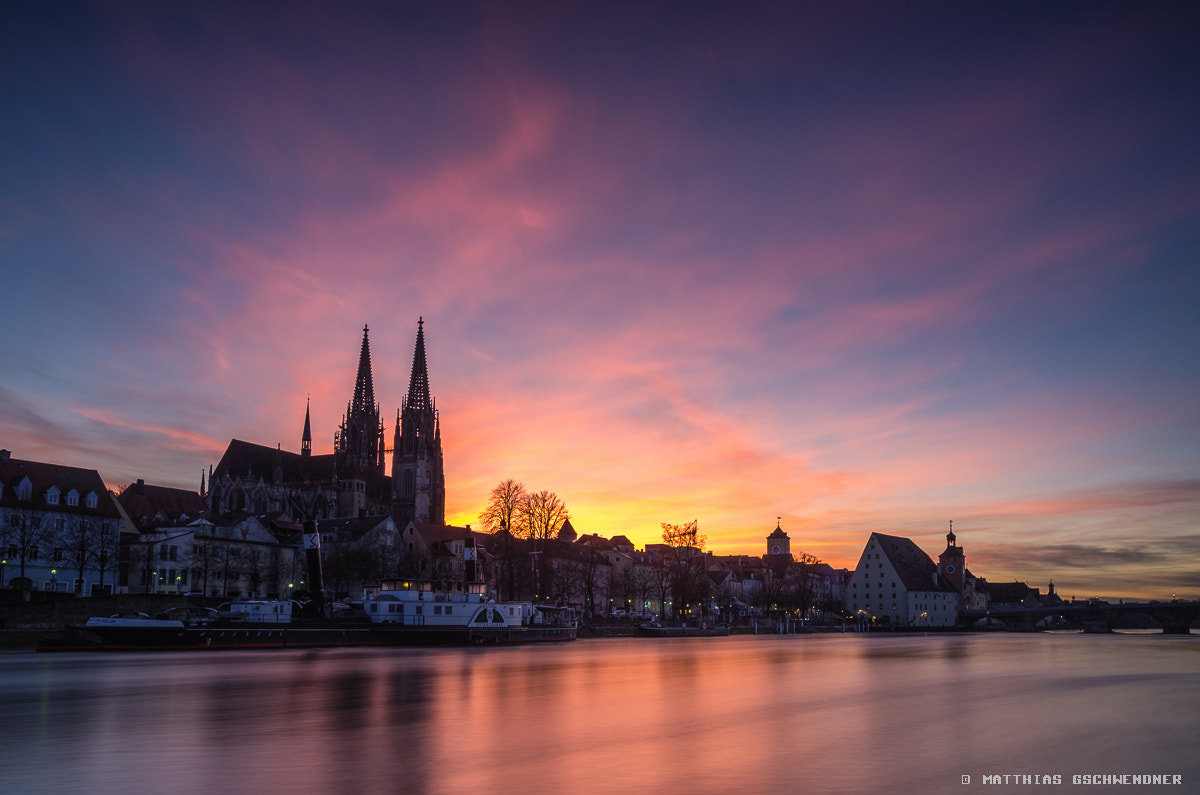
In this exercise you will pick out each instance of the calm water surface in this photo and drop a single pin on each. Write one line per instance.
(841, 713)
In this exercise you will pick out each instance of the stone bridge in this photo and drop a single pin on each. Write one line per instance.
(1175, 618)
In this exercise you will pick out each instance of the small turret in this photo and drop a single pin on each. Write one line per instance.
(306, 439)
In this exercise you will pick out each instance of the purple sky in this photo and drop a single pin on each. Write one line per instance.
(864, 267)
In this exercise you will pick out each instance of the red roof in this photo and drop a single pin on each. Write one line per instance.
(144, 503)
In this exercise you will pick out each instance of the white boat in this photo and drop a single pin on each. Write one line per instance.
(418, 611)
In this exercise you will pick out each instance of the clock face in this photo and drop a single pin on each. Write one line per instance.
(775, 550)
(950, 569)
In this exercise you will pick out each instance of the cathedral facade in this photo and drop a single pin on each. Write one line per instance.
(352, 480)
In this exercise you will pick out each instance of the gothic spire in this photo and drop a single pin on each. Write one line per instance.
(418, 385)
(306, 439)
(360, 438)
(364, 388)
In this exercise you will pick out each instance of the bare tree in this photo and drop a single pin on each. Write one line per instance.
(620, 591)
(203, 563)
(106, 545)
(641, 586)
(228, 565)
(660, 584)
(685, 548)
(774, 596)
(512, 573)
(387, 556)
(564, 581)
(803, 576)
(542, 515)
(25, 537)
(591, 564)
(78, 540)
(138, 556)
(503, 510)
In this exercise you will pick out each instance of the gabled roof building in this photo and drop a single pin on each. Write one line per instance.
(59, 527)
(145, 505)
(896, 584)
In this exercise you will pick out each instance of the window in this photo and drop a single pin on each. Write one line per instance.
(92, 499)
(52, 496)
(73, 498)
(58, 554)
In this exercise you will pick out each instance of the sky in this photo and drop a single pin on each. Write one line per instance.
(848, 267)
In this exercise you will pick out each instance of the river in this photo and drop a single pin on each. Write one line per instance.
(744, 714)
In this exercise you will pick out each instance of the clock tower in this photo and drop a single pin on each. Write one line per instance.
(778, 542)
(952, 564)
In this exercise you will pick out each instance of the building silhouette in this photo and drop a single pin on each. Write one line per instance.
(418, 476)
(352, 480)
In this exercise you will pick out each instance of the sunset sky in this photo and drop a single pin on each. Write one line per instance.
(863, 267)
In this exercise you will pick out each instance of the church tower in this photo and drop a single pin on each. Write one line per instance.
(418, 479)
(359, 442)
(778, 543)
(952, 563)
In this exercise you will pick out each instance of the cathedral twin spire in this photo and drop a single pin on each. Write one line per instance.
(364, 387)
(418, 398)
(418, 481)
(360, 439)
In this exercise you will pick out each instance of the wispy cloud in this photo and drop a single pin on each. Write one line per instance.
(728, 272)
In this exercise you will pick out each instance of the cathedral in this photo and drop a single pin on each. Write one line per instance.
(352, 480)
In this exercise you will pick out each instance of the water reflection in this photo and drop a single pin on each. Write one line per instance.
(829, 714)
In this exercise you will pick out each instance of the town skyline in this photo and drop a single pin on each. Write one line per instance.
(863, 272)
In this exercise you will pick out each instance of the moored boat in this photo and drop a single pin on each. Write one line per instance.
(413, 611)
(251, 624)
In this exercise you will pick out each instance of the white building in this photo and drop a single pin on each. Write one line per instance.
(59, 528)
(896, 584)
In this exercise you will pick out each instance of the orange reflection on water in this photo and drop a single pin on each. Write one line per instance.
(838, 713)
